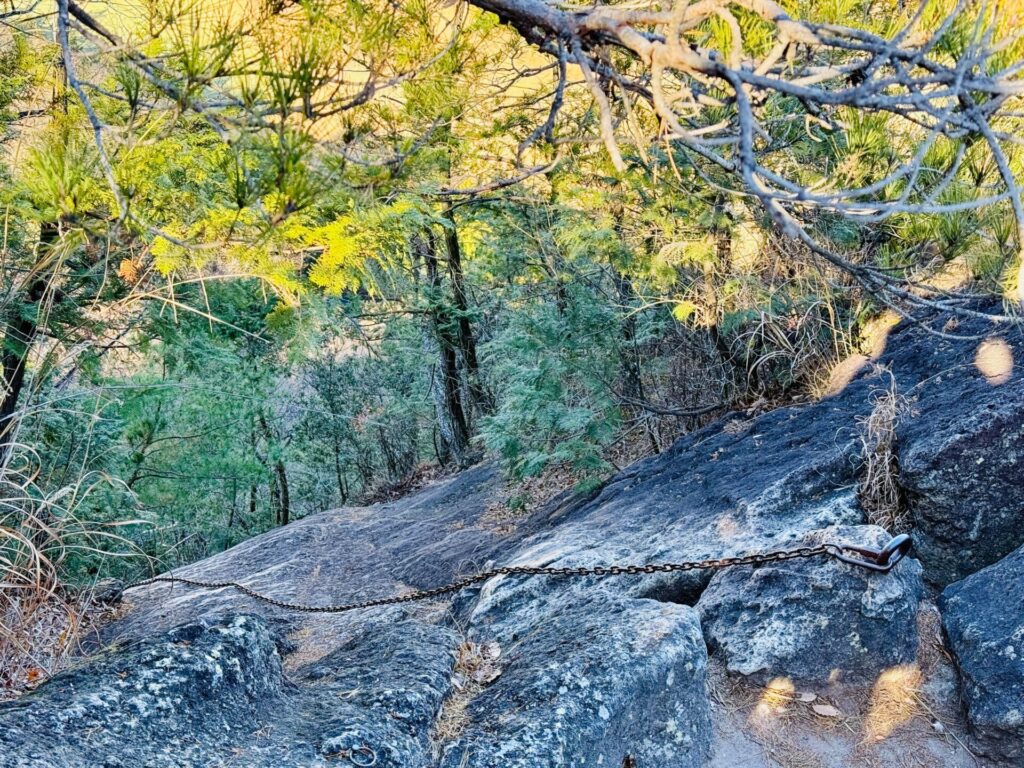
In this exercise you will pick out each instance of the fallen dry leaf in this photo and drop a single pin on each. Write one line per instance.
(492, 650)
(485, 675)
(826, 710)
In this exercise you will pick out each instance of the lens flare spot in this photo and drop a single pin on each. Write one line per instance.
(994, 360)
(776, 697)
(894, 701)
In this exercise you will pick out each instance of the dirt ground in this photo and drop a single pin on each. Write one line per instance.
(909, 717)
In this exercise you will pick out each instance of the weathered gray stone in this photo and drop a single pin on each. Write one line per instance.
(213, 692)
(308, 688)
(814, 620)
(107, 591)
(961, 456)
(354, 553)
(591, 683)
(169, 701)
(962, 467)
(984, 620)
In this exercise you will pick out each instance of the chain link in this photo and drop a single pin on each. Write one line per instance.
(878, 560)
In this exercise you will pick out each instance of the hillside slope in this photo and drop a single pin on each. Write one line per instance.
(662, 670)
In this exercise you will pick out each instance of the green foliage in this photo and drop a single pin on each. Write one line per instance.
(278, 322)
(59, 176)
(20, 71)
(556, 406)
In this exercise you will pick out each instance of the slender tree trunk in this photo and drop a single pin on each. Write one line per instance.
(389, 454)
(362, 463)
(275, 498)
(481, 398)
(451, 416)
(453, 400)
(279, 497)
(283, 495)
(454, 438)
(339, 474)
(445, 430)
(18, 339)
(234, 504)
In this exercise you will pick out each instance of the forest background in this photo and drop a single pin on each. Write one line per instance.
(261, 260)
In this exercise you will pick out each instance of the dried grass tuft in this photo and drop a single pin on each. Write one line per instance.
(879, 491)
(796, 348)
(895, 701)
(476, 667)
(42, 619)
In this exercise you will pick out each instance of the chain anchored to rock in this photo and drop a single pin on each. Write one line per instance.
(881, 560)
(361, 757)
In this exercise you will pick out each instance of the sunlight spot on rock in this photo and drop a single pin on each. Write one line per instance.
(995, 361)
(893, 702)
(875, 334)
(843, 373)
(953, 275)
(727, 527)
(778, 695)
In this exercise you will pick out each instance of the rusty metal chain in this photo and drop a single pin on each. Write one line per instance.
(881, 560)
(361, 757)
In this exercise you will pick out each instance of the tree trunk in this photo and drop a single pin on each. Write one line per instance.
(17, 344)
(389, 454)
(451, 416)
(234, 504)
(481, 398)
(445, 430)
(278, 486)
(339, 474)
(283, 496)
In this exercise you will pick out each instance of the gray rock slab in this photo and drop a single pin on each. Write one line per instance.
(314, 689)
(983, 616)
(814, 620)
(591, 683)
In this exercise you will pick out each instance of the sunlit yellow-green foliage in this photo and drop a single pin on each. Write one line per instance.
(59, 175)
(263, 301)
(857, 149)
(317, 101)
(360, 245)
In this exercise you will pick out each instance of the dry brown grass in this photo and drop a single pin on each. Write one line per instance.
(892, 721)
(895, 701)
(424, 474)
(798, 349)
(879, 491)
(42, 620)
(874, 726)
(476, 666)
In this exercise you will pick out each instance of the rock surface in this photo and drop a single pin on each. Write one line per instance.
(813, 621)
(586, 672)
(629, 680)
(962, 456)
(984, 619)
(174, 700)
